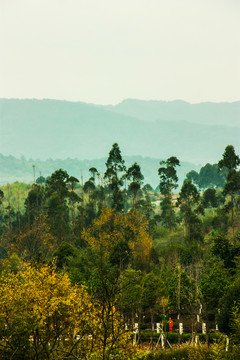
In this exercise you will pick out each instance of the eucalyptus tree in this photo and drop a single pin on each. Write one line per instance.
(114, 175)
(193, 176)
(231, 162)
(74, 199)
(93, 171)
(89, 189)
(136, 177)
(209, 176)
(189, 203)
(57, 194)
(34, 204)
(168, 183)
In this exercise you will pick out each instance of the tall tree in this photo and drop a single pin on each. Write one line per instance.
(136, 177)
(209, 176)
(74, 199)
(189, 202)
(193, 176)
(231, 162)
(168, 183)
(34, 200)
(89, 189)
(114, 175)
(56, 203)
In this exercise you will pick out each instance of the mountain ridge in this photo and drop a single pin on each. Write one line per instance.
(62, 129)
(227, 113)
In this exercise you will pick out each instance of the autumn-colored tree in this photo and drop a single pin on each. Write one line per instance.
(113, 227)
(41, 313)
(36, 243)
(43, 316)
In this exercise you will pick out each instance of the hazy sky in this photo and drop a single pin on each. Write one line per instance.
(103, 51)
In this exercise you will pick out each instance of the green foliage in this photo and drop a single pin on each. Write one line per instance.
(34, 203)
(209, 198)
(114, 175)
(193, 176)
(173, 338)
(147, 187)
(213, 284)
(235, 326)
(168, 175)
(135, 176)
(168, 183)
(1, 196)
(151, 290)
(131, 296)
(63, 254)
(209, 176)
(40, 180)
(231, 162)
(226, 250)
(228, 303)
(56, 204)
(15, 194)
(181, 290)
(188, 352)
(121, 254)
(189, 255)
(189, 202)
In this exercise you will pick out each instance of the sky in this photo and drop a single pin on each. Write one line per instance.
(104, 51)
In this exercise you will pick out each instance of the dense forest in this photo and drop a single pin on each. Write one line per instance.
(111, 268)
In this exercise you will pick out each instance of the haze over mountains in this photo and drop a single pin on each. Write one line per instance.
(207, 113)
(43, 129)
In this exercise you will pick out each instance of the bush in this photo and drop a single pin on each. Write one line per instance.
(183, 353)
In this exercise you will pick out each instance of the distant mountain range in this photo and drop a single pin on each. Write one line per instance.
(207, 113)
(43, 129)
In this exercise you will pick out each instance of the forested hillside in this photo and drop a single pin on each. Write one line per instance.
(21, 169)
(110, 268)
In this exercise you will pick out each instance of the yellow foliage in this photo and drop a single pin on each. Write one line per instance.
(44, 304)
(112, 227)
(43, 316)
(36, 242)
